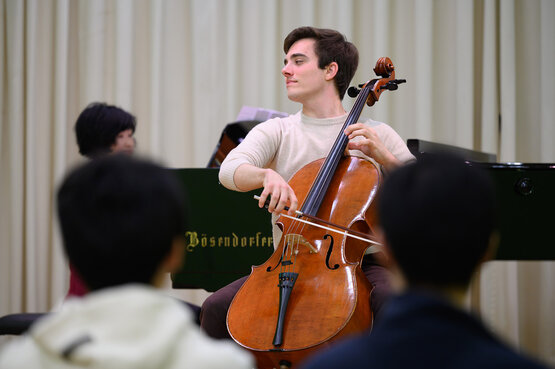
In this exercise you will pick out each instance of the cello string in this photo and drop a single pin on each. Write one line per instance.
(322, 179)
(301, 214)
(339, 146)
(290, 247)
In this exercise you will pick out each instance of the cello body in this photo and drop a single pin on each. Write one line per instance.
(331, 295)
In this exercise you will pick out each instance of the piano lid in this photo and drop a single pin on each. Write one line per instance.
(525, 199)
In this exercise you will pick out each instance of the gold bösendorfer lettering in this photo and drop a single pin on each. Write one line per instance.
(192, 240)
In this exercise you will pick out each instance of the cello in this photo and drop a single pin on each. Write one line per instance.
(312, 290)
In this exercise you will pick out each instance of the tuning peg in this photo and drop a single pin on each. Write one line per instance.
(393, 85)
(390, 86)
(353, 91)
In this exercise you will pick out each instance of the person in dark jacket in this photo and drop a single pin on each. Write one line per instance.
(438, 225)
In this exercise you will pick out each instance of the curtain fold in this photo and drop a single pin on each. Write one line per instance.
(479, 76)
(547, 77)
(58, 273)
(13, 169)
(488, 107)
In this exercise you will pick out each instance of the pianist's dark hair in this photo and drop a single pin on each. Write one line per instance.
(437, 215)
(119, 216)
(97, 127)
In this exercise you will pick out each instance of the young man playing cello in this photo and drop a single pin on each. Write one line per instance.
(318, 67)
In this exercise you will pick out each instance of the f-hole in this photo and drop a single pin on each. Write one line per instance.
(330, 249)
(270, 269)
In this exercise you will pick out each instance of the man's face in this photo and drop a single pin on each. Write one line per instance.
(303, 78)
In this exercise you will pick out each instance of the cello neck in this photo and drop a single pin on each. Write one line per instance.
(320, 185)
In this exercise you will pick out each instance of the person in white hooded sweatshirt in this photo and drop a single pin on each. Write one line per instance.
(122, 222)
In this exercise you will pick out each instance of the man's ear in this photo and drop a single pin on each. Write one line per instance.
(331, 71)
(384, 254)
(386, 258)
(171, 263)
(174, 259)
(491, 251)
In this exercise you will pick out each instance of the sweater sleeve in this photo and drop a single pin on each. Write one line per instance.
(258, 148)
(392, 141)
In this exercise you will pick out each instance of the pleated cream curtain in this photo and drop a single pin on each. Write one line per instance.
(480, 75)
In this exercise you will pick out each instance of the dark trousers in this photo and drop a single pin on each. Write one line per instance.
(214, 310)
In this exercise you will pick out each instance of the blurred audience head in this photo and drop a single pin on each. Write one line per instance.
(438, 217)
(121, 217)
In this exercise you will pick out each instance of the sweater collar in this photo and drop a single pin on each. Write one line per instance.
(323, 121)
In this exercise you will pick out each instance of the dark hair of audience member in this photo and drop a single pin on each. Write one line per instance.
(119, 217)
(437, 215)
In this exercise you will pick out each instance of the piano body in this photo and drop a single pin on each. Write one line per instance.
(227, 233)
(525, 200)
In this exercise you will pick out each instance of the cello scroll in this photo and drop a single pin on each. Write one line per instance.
(385, 69)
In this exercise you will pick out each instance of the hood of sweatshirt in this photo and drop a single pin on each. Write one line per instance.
(123, 327)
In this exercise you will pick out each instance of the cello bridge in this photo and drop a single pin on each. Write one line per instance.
(297, 239)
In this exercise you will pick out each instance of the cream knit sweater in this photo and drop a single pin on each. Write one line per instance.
(288, 144)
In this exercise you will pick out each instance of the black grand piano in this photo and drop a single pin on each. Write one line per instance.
(229, 233)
